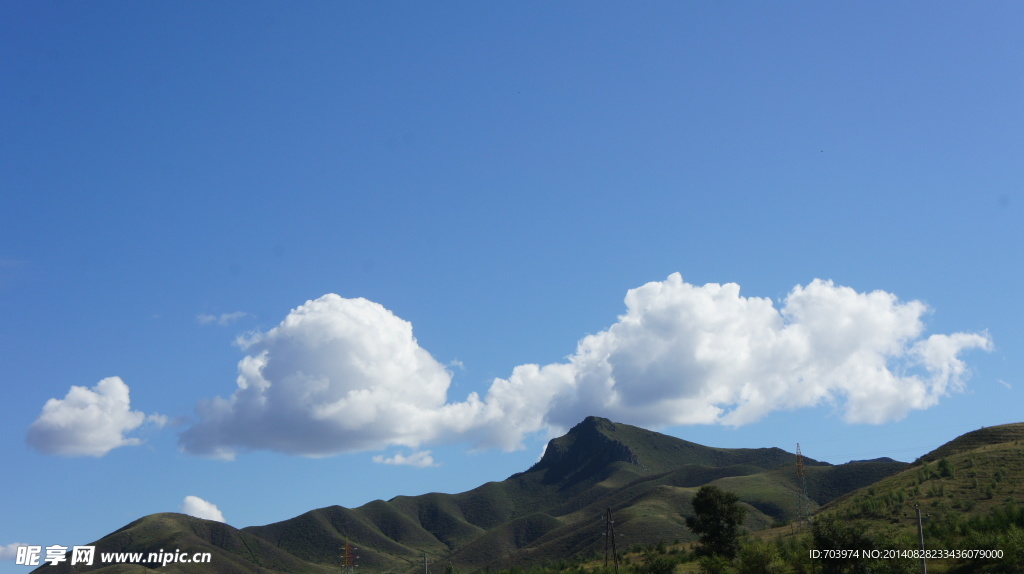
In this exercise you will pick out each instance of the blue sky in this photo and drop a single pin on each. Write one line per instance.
(177, 181)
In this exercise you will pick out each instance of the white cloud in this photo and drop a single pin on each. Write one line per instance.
(222, 319)
(157, 420)
(1004, 383)
(342, 375)
(10, 551)
(419, 459)
(337, 375)
(685, 354)
(195, 506)
(89, 422)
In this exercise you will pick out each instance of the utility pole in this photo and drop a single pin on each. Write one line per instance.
(425, 569)
(920, 536)
(609, 535)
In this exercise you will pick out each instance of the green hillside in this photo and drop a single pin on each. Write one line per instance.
(971, 495)
(971, 474)
(985, 436)
(233, 551)
(552, 511)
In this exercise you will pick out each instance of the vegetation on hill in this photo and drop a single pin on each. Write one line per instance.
(552, 515)
(970, 491)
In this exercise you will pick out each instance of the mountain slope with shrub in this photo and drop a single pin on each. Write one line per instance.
(553, 510)
(970, 492)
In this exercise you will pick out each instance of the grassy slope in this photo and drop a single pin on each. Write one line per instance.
(234, 551)
(553, 510)
(649, 488)
(987, 473)
(542, 513)
(988, 470)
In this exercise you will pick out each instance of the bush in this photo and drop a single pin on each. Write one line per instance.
(655, 565)
(829, 534)
(1013, 549)
(715, 565)
(759, 558)
(946, 469)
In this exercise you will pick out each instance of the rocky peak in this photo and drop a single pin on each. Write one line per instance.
(584, 452)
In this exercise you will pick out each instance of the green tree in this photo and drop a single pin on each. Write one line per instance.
(946, 469)
(830, 534)
(1013, 546)
(716, 521)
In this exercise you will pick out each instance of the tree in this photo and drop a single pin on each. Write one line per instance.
(946, 470)
(831, 534)
(716, 521)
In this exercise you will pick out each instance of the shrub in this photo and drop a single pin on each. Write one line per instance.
(946, 469)
(759, 558)
(655, 565)
(714, 565)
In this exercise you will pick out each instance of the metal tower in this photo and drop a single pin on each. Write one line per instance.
(609, 536)
(348, 558)
(802, 509)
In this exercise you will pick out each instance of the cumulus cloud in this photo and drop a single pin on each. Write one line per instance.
(89, 422)
(10, 551)
(419, 459)
(342, 375)
(195, 506)
(222, 319)
(337, 375)
(686, 354)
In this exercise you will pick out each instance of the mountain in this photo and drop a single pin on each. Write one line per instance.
(553, 510)
(969, 475)
(974, 440)
(970, 494)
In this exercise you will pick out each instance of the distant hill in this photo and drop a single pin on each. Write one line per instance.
(552, 510)
(970, 492)
(968, 475)
(985, 436)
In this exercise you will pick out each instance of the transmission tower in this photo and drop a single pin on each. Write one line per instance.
(801, 505)
(348, 558)
(609, 536)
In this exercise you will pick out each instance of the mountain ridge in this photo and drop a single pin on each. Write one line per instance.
(553, 509)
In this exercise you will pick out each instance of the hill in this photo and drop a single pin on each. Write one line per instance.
(985, 436)
(970, 492)
(232, 551)
(551, 511)
(974, 472)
